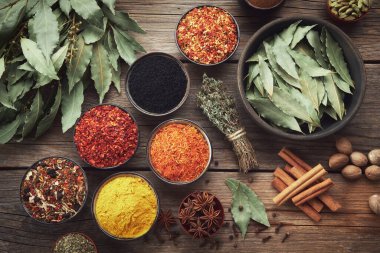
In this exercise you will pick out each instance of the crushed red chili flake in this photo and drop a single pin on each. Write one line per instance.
(207, 34)
(106, 136)
(53, 190)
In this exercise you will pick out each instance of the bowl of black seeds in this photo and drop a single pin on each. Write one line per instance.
(157, 84)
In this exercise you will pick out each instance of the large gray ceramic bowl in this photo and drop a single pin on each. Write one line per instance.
(354, 62)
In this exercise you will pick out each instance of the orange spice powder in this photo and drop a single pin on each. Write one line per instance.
(179, 152)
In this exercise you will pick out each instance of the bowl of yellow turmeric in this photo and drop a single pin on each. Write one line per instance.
(125, 206)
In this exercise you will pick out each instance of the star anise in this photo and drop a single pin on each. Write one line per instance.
(166, 219)
(198, 229)
(188, 204)
(202, 201)
(186, 215)
(211, 216)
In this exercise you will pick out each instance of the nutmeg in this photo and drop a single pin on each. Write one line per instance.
(359, 159)
(374, 203)
(374, 157)
(344, 146)
(352, 172)
(373, 172)
(338, 161)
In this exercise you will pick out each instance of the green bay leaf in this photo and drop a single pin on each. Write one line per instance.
(313, 38)
(110, 4)
(309, 87)
(92, 33)
(300, 34)
(19, 89)
(34, 113)
(116, 79)
(113, 54)
(125, 49)
(65, 6)
(72, 106)
(266, 76)
(334, 96)
(101, 71)
(260, 52)
(2, 66)
(283, 58)
(259, 85)
(10, 18)
(8, 130)
(308, 64)
(288, 33)
(87, 9)
(123, 21)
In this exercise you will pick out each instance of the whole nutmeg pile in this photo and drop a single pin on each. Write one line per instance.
(352, 162)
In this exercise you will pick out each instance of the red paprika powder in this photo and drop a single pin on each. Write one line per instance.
(106, 136)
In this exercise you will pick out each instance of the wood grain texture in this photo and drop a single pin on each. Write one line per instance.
(352, 229)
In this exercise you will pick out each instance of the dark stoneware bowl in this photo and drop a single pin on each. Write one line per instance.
(354, 62)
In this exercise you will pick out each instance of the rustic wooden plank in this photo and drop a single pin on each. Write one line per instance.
(19, 232)
(361, 130)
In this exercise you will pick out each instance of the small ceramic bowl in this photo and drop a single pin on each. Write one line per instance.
(130, 70)
(355, 66)
(178, 121)
(343, 21)
(94, 199)
(251, 4)
(116, 166)
(218, 205)
(82, 234)
(211, 64)
(64, 220)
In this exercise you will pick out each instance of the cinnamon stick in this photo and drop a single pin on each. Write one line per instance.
(300, 184)
(312, 192)
(307, 209)
(295, 159)
(288, 180)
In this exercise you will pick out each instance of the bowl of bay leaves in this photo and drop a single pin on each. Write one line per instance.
(301, 78)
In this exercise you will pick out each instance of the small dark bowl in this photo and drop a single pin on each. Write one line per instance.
(65, 220)
(171, 110)
(342, 21)
(355, 65)
(261, 8)
(82, 234)
(179, 121)
(211, 64)
(116, 166)
(96, 196)
(217, 202)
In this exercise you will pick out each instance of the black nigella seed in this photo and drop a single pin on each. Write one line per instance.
(157, 83)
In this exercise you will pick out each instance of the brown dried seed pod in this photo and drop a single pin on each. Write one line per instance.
(344, 146)
(338, 161)
(373, 172)
(359, 159)
(374, 157)
(352, 172)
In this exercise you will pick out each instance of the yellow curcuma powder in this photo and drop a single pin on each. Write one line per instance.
(126, 206)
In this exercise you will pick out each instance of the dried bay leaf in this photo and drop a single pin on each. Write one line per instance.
(2, 66)
(314, 40)
(331, 112)
(125, 49)
(336, 58)
(47, 121)
(308, 64)
(342, 85)
(266, 109)
(93, 33)
(245, 206)
(253, 72)
(321, 90)
(113, 54)
(123, 21)
(78, 65)
(309, 87)
(266, 76)
(283, 58)
(72, 106)
(334, 96)
(299, 34)
(65, 6)
(288, 33)
(8, 130)
(34, 113)
(260, 52)
(259, 85)
(305, 49)
(100, 70)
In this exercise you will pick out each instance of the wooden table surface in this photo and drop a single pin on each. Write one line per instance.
(353, 229)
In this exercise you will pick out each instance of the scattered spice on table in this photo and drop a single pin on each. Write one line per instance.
(207, 34)
(106, 136)
(74, 243)
(201, 214)
(265, 4)
(157, 83)
(179, 152)
(286, 236)
(126, 206)
(166, 220)
(53, 190)
(266, 239)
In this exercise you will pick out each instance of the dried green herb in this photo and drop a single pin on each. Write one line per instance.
(36, 38)
(349, 10)
(246, 206)
(298, 77)
(220, 109)
(74, 242)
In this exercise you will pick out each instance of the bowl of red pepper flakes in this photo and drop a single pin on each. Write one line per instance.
(54, 190)
(179, 151)
(207, 35)
(106, 136)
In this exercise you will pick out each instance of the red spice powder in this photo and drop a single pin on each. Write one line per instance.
(179, 152)
(207, 35)
(106, 136)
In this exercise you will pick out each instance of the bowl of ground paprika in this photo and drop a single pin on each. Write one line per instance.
(179, 151)
(106, 136)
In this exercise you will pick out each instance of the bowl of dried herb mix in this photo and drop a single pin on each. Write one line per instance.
(125, 206)
(179, 151)
(301, 78)
(54, 190)
(106, 136)
(207, 35)
(157, 84)
(75, 242)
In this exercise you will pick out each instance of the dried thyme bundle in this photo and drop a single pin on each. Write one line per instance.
(220, 108)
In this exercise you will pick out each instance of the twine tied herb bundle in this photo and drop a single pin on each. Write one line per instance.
(220, 108)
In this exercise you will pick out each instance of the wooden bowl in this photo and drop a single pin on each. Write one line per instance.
(355, 65)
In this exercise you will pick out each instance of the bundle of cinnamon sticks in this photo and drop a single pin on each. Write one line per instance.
(304, 185)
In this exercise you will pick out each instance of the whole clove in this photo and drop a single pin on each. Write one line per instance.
(278, 227)
(267, 238)
(286, 236)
